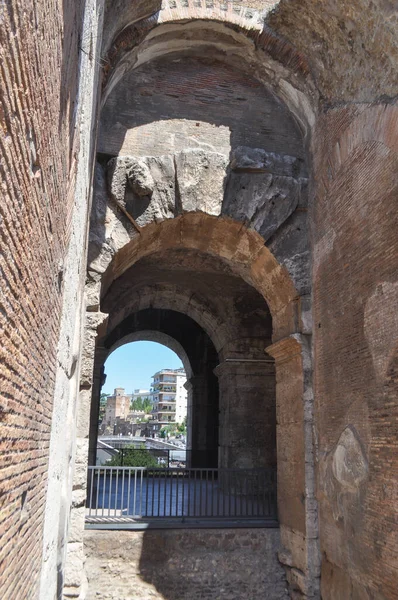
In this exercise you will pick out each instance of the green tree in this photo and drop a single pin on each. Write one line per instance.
(137, 404)
(147, 405)
(133, 457)
(168, 430)
(142, 404)
(102, 406)
(182, 427)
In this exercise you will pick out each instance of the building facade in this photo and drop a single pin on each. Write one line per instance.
(169, 398)
(117, 406)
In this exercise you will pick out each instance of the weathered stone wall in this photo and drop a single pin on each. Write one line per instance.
(184, 564)
(47, 84)
(355, 221)
(169, 105)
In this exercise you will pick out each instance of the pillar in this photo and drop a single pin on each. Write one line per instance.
(97, 383)
(247, 413)
(297, 505)
(202, 421)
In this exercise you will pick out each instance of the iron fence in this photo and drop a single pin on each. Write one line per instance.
(136, 493)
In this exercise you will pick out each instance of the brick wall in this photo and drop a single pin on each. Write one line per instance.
(39, 55)
(355, 278)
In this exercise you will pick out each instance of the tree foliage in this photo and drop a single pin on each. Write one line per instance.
(142, 404)
(102, 406)
(133, 457)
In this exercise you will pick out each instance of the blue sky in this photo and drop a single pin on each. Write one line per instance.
(131, 366)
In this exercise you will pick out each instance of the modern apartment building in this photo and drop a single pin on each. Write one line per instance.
(169, 397)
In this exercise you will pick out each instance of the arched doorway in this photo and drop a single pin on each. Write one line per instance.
(199, 358)
(230, 284)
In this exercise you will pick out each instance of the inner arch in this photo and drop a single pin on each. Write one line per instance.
(159, 337)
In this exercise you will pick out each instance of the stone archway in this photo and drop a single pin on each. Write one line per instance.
(244, 254)
(199, 357)
(242, 206)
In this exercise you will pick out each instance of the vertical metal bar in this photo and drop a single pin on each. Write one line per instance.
(135, 492)
(103, 491)
(92, 472)
(153, 493)
(247, 496)
(238, 495)
(194, 492)
(122, 498)
(236, 478)
(117, 489)
(177, 492)
(159, 493)
(200, 491)
(258, 492)
(251, 497)
(142, 478)
(189, 492)
(212, 493)
(218, 494)
(146, 493)
(229, 492)
(206, 489)
(253, 480)
(171, 492)
(183, 492)
(110, 490)
(265, 486)
(242, 497)
(164, 493)
(128, 493)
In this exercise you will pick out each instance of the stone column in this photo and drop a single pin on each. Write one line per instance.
(247, 413)
(98, 381)
(189, 387)
(297, 505)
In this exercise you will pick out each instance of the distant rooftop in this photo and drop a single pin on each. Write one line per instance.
(170, 371)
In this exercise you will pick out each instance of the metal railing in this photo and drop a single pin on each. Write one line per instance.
(136, 493)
